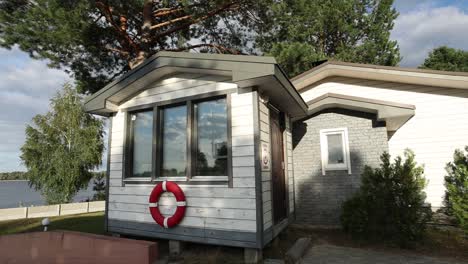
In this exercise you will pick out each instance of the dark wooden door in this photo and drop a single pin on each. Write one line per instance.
(277, 167)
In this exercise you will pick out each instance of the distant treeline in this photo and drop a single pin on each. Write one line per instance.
(14, 175)
(21, 175)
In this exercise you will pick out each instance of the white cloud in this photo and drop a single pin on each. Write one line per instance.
(427, 27)
(26, 86)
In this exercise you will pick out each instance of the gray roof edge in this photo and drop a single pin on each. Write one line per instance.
(377, 67)
(361, 99)
(299, 98)
(221, 57)
(185, 55)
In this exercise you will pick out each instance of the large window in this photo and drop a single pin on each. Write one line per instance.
(141, 129)
(211, 138)
(335, 150)
(174, 141)
(189, 141)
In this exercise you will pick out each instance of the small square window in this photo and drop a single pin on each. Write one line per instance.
(335, 150)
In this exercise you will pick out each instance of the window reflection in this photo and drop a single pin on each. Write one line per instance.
(335, 149)
(211, 140)
(174, 141)
(142, 124)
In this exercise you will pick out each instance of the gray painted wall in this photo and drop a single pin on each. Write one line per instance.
(319, 197)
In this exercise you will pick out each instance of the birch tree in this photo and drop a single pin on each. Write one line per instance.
(62, 148)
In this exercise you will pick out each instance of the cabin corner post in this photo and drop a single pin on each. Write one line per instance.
(258, 175)
(109, 144)
(292, 217)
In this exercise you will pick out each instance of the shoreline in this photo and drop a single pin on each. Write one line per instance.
(14, 180)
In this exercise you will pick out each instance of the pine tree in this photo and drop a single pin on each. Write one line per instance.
(98, 40)
(446, 59)
(300, 32)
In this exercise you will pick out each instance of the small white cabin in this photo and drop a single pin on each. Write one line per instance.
(217, 125)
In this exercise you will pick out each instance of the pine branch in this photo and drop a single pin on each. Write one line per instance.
(197, 20)
(106, 11)
(218, 48)
(166, 23)
(123, 52)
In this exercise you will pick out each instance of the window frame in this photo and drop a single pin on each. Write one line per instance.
(129, 146)
(346, 166)
(193, 142)
(157, 108)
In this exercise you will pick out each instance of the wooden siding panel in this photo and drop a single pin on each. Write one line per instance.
(207, 202)
(204, 212)
(189, 221)
(208, 206)
(266, 174)
(189, 191)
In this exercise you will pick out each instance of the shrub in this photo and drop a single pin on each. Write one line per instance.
(456, 184)
(99, 186)
(390, 202)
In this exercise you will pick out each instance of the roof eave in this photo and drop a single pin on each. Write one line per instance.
(382, 73)
(244, 70)
(394, 114)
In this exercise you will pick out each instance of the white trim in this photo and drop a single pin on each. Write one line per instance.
(153, 204)
(164, 186)
(209, 178)
(324, 150)
(182, 203)
(142, 179)
(165, 222)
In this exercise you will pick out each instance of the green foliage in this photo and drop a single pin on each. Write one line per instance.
(62, 147)
(89, 39)
(446, 59)
(390, 202)
(456, 184)
(14, 175)
(99, 186)
(299, 32)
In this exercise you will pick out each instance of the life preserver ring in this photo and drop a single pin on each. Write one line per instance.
(171, 221)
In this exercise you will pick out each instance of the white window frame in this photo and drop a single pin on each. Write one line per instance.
(324, 150)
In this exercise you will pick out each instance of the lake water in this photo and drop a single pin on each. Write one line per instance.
(14, 193)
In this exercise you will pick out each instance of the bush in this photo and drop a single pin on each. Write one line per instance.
(456, 184)
(390, 203)
(99, 186)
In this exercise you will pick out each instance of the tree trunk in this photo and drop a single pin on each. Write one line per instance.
(146, 33)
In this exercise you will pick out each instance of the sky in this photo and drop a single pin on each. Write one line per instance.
(26, 85)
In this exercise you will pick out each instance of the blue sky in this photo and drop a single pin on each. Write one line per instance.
(27, 85)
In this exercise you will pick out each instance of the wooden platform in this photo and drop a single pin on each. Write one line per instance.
(74, 247)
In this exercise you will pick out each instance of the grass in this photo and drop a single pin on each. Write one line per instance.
(446, 243)
(88, 223)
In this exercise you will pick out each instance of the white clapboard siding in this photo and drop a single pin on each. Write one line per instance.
(289, 163)
(189, 221)
(196, 90)
(243, 172)
(242, 141)
(189, 191)
(225, 213)
(437, 129)
(209, 202)
(181, 85)
(266, 174)
(208, 206)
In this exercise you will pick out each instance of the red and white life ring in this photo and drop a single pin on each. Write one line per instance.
(167, 186)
